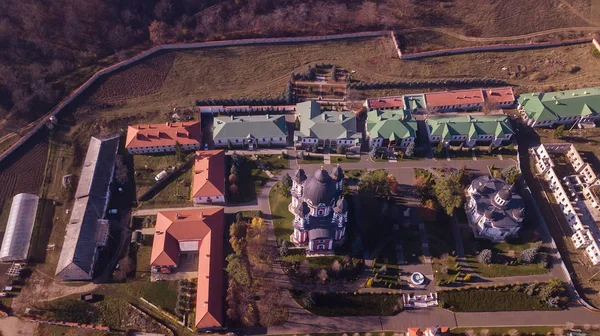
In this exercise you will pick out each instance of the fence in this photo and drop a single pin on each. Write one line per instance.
(180, 46)
(493, 48)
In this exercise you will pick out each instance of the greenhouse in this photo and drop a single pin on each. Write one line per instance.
(17, 237)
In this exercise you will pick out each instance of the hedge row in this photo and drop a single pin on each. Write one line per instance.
(424, 84)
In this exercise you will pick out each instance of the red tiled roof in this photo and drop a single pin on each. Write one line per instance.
(385, 102)
(205, 226)
(499, 95)
(458, 97)
(414, 332)
(209, 174)
(167, 134)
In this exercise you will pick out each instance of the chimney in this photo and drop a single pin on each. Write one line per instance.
(232, 117)
(268, 116)
(168, 124)
(342, 117)
(324, 116)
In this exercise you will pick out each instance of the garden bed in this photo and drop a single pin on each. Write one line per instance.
(349, 304)
(310, 159)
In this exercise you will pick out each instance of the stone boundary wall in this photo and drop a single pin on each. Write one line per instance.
(68, 324)
(396, 45)
(180, 46)
(493, 48)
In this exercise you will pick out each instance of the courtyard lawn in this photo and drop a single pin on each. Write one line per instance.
(314, 262)
(501, 270)
(344, 159)
(499, 331)
(282, 217)
(251, 181)
(337, 304)
(490, 300)
(162, 293)
(310, 159)
(176, 193)
(274, 162)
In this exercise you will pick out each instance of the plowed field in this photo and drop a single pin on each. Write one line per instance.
(23, 171)
(138, 80)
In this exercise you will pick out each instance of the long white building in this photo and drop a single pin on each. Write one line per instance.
(573, 189)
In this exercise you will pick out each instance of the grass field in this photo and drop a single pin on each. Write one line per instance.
(259, 71)
(176, 193)
(282, 217)
(482, 300)
(311, 159)
(499, 331)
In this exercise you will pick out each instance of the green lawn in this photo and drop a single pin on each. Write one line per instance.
(501, 270)
(162, 294)
(499, 331)
(274, 162)
(490, 300)
(337, 304)
(147, 166)
(344, 159)
(282, 217)
(311, 159)
(314, 262)
(258, 177)
(176, 193)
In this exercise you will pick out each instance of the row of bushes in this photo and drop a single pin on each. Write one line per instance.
(513, 297)
(427, 84)
(349, 304)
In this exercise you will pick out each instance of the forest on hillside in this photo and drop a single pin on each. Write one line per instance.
(45, 43)
(44, 40)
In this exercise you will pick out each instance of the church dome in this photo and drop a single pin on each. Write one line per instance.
(320, 188)
(337, 173)
(299, 176)
(505, 194)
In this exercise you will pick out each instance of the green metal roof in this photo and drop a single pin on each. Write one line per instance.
(269, 126)
(390, 124)
(319, 124)
(414, 101)
(560, 104)
(471, 126)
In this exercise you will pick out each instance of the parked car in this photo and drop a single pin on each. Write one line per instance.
(161, 175)
(7, 288)
(113, 211)
(205, 146)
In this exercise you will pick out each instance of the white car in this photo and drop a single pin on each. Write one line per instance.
(161, 175)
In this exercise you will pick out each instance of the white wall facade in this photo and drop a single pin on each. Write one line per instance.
(162, 149)
(209, 199)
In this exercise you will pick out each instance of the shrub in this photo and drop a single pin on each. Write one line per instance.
(485, 256)
(529, 255)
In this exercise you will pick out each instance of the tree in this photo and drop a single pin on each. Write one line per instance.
(301, 155)
(393, 183)
(179, 154)
(229, 145)
(283, 250)
(529, 255)
(310, 89)
(121, 171)
(340, 149)
(304, 268)
(559, 132)
(439, 149)
(410, 150)
(336, 267)
(375, 183)
(322, 276)
(286, 182)
(239, 217)
(159, 32)
(374, 151)
(511, 174)
(237, 268)
(234, 189)
(429, 211)
(233, 179)
(331, 90)
(447, 190)
(297, 124)
(485, 256)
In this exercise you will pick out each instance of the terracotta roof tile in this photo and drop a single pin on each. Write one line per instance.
(209, 174)
(450, 98)
(385, 102)
(140, 136)
(206, 226)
